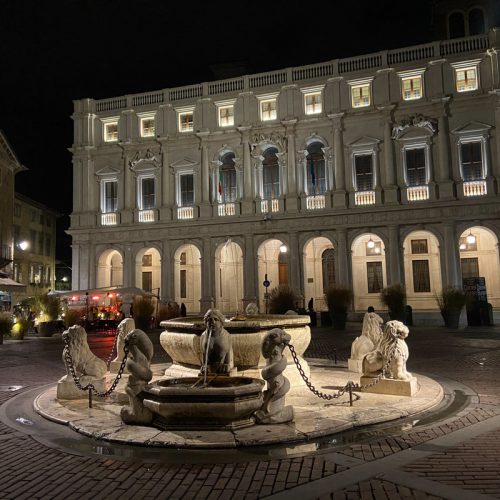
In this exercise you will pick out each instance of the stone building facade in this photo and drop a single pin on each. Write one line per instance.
(368, 171)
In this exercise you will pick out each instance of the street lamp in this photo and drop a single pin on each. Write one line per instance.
(23, 245)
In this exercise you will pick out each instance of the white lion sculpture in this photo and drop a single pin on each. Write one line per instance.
(390, 354)
(87, 366)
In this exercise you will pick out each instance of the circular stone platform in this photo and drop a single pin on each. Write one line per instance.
(314, 417)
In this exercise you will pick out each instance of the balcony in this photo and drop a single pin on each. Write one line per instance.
(225, 209)
(364, 198)
(417, 193)
(184, 213)
(109, 219)
(146, 216)
(475, 188)
(269, 206)
(315, 202)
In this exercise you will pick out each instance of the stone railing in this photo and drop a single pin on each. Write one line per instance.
(475, 188)
(109, 219)
(269, 206)
(364, 197)
(146, 216)
(315, 202)
(226, 209)
(184, 213)
(417, 193)
(290, 75)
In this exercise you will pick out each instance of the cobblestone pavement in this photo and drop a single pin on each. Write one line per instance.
(454, 454)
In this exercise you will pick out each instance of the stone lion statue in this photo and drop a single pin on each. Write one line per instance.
(273, 410)
(124, 328)
(392, 346)
(88, 368)
(139, 366)
(85, 362)
(370, 336)
(216, 349)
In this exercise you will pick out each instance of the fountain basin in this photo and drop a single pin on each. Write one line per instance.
(181, 341)
(226, 403)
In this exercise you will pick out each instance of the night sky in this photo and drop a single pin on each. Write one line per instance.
(55, 51)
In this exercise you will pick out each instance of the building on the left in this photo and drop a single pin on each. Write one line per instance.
(9, 167)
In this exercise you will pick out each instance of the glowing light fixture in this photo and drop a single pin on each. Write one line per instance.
(23, 245)
(95, 297)
(283, 248)
(471, 239)
(371, 243)
(377, 250)
(74, 298)
(462, 246)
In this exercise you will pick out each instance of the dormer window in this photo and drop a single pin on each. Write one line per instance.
(147, 126)
(466, 76)
(268, 107)
(111, 131)
(313, 100)
(360, 93)
(185, 119)
(225, 114)
(411, 85)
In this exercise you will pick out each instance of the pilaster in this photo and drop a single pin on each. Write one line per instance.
(340, 193)
(451, 256)
(207, 282)
(444, 177)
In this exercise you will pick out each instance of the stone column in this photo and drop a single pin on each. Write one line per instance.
(451, 256)
(250, 272)
(247, 201)
(291, 197)
(166, 201)
(129, 189)
(390, 185)
(167, 272)
(128, 268)
(343, 258)
(205, 207)
(207, 281)
(445, 175)
(294, 263)
(393, 258)
(75, 269)
(340, 194)
(495, 164)
(77, 185)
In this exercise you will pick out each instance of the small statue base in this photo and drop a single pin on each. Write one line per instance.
(281, 417)
(390, 386)
(66, 389)
(355, 365)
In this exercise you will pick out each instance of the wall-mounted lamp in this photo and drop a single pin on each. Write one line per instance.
(283, 248)
(471, 239)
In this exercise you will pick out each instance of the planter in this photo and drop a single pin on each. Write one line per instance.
(339, 320)
(451, 318)
(47, 328)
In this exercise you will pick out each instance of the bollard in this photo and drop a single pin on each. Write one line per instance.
(90, 397)
(349, 387)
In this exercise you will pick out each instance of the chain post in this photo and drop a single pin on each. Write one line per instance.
(349, 387)
(90, 396)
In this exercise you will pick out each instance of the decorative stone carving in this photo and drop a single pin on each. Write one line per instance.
(273, 137)
(417, 120)
(216, 349)
(87, 366)
(252, 309)
(273, 409)
(148, 157)
(138, 364)
(124, 328)
(366, 342)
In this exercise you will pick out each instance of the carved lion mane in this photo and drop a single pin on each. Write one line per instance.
(85, 362)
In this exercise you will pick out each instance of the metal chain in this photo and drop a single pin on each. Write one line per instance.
(110, 357)
(90, 387)
(350, 384)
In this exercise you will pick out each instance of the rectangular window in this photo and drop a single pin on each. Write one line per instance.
(466, 79)
(186, 122)
(375, 277)
(419, 246)
(41, 241)
(465, 246)
(470, 267)
(227, 186)
(226, 116)
(183, 283)
(313, 103)
(48, 245)
(415, 167)
(147, 281)
(316, 177)
(148, 127)
(33, 215)
(472, 161)
(147, 193)
(110, 196)
(364, 172)
(271, 181)
(17, 210)
(187, 190)
(421, 277)
(42, 219)
(411, 87)
(147, 260)
(33, 239)
(373, 248)
(268, 110)
(360, 95)
(16, 234)
(111, 131)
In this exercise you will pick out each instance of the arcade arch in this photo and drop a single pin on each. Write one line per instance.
(148, 270)
(319, 270)
(109, 269)
(229, 277)
(187, 277)
(272, 258)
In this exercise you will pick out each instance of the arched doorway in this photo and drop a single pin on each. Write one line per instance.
(229, 277)
(319, 270)
(368, 271)
(187, 277)
(272, 262)
(109, 269)
(148, 270)
(478, 248)
(422, 270)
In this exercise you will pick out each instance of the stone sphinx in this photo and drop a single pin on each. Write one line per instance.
(366, 342)
(124, 328)
(88, 368)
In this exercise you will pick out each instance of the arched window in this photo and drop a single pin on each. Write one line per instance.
(226, 188)
(476, 22)
(316, 175)
(328, 264)
(270, 174)
(457, 25)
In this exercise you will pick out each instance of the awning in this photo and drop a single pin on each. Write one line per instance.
(9, 285)
(131, 290)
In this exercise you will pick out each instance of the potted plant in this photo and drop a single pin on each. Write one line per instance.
(451, 301)
(143, 310)
(282, 298)
(19, 328)
(338, 299)
(5, 325)
(48, 308)
(394, 297)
